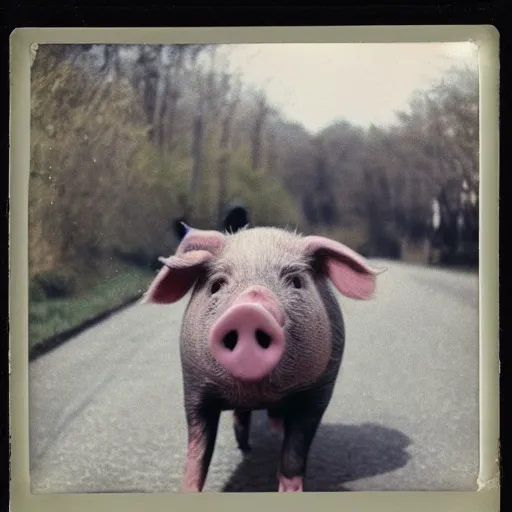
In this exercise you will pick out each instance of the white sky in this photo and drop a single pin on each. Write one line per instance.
(364, 83)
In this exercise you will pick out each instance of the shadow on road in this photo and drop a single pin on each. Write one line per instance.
(340, 454)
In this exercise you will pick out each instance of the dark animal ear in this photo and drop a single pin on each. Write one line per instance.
(181, 270)
(180, 228)
(349, 272)
(236, 219)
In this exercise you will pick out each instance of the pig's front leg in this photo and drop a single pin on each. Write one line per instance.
(276, 421)
(242, 426)
(202, 423)
(301, 421)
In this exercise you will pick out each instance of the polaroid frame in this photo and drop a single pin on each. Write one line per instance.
(486, 498)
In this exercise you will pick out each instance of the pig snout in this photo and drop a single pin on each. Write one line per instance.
(248, 340)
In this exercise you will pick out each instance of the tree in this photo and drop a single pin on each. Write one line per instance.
(231, 90)
(198, 130)
(262, 110)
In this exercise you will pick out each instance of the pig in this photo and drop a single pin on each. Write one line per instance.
(262, 330)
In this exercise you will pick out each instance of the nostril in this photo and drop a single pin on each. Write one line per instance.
(230, 340)
(263, 339)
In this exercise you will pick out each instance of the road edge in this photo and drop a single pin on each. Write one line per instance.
(58, 339)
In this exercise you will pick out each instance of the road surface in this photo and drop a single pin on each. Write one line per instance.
(106, 407)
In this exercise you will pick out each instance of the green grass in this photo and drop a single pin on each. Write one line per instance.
(50, 317)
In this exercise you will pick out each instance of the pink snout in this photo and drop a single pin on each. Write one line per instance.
(247, 341)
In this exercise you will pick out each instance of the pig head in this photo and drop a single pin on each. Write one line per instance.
(262, 330)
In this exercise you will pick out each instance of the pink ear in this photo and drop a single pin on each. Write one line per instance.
(349, 272)
(199, 240)
(181, 270)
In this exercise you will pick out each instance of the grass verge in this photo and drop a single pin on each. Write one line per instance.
(48, 318)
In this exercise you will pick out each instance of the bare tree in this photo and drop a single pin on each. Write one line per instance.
(111, 67)
(198, 130)
(159, 74)
(174, 94)
(162, 86)
(145, 79)
(231, 97)
(262, 110)
(272, 153)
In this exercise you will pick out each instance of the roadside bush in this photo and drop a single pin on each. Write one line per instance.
(55, 283)
(36, 291)
(139, 257)
(268, 202)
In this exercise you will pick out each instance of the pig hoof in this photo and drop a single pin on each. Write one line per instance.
(189, 489)
(290, 484)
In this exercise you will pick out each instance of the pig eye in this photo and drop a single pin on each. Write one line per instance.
(217, 285)
(296, 282)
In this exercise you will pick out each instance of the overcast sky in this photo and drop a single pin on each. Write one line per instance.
(315, 84)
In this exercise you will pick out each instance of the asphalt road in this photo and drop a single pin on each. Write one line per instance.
(106, 407)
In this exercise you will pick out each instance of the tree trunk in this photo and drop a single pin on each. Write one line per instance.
(111, 65)
(257, 132)
(197, 155)
(256, 143)
(161, 95)
(229, 108)
(272, 155)
(223, 166)
(173, 97)
(198, 140)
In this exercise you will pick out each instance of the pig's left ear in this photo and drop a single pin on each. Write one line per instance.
(349, 271)
(181, 270)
